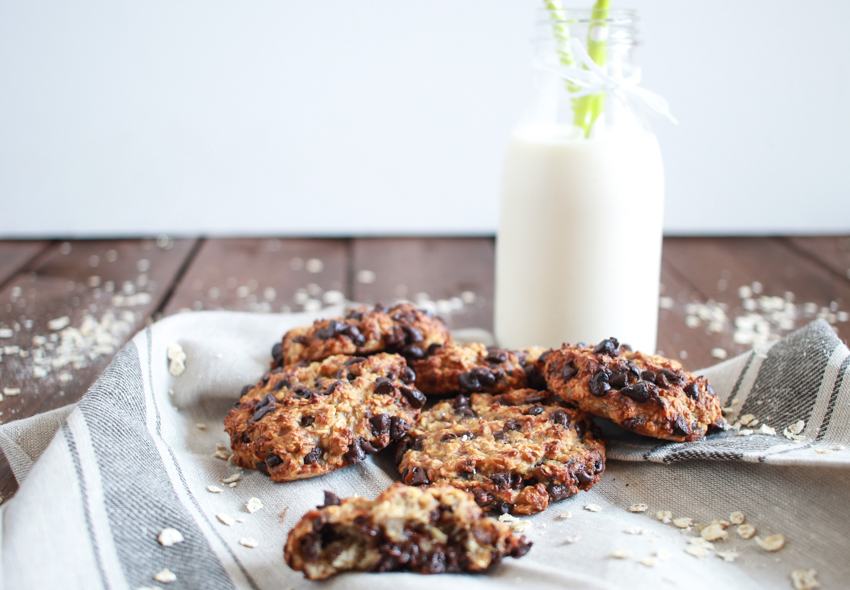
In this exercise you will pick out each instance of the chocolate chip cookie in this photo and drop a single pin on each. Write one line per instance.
(467, 368)
(402, 329)
(305, 421)
(645, 393)
(515, 452)
(425, 530)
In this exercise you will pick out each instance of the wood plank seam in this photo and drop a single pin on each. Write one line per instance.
(810, 256)
(181, 272)
(28, 264)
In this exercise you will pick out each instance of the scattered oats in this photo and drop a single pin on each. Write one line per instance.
(231, 478)
(823, 451)
(201, 426)
(696, 551)
(683, 522)
(662, 554)
(39, 372)
(520, 526)
(771, 543)
(744, 292)
(11, 391)
(333, 297)
(571, 540)
(649, 561)
(620, 554)
(240, 519)
(727, 410)
(737, 518)
(367, 277)
(805, 579)
(143, 265)
(765, 429)
(636, 531)
(165, 576)
(214, 489)
(754, 423)
(746, 531)
(714, 532)
(638, 508)
(838, 448)
(746, 419)
(65, 377)
(664, 516)
(745, 432)
(225, 519)
(221, 447)
(253, 505)
(719, 353)
(593, 508)
(508, 518)
(177, 359)
(223, 455)
(665, 302)
(842, 316)
(249, 542)
(6, 333)
(797, 427)
(59, 323)
(564, 515)
(729, 556)
(169, 537)
(314, 266)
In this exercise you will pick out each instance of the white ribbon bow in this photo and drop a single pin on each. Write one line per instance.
(590, 79)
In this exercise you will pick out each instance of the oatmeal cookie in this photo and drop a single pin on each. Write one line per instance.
(305, 421)
(644, 393)
(467, 368)
(431, 530)
(403, 329)
(514, 452)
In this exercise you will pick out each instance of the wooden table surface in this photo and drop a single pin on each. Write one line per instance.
(67, 307)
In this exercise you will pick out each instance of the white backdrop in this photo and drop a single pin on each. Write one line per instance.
(380, 117)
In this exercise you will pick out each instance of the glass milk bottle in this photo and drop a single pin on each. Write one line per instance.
(578, 252)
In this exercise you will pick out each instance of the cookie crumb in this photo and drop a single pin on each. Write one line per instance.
(638, 508)
(746, 419)
(797, 427)
(225, 519)
(700, 542)
(737, 518)
(771, 543)
(746, 531)
(214, 489)
(223, 455)
(620, 554)
(664, 516)
(165, 576)
(805, 579)
(232, 478)
(249, 542)
(683, 522)
(564, 515)
(176, 358)
(593, 508)
(253, 505)
(168, 537)
(765, 429)
(729, 556)
(714, 532)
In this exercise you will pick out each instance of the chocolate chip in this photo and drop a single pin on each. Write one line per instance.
(496, 355)
(434, 348)
(692, 390)
(301, 392)
(355, 453)
(380, 424)
(460, 401)
(329, 331)
(408, 376)
(499, 436)
(680, 426)
(263, 468)
(413, 333)
(310, 457)
(598, 466)
(482, 498)
(560, 417)
(307, 421)
(569, 371)
(465, 413)
(353, 332)
(534, 410)
(632, 423)
(484, 376)
(469, 381)
(245, 390)
(649, 376)
(418, 477)
(395, 338)
(598, 384)
(618, 380)
(266, 379)
(608, 347)
(277, 351)
(384, 386)
(709, 390)
(284, 382)
(355, 360)
(504, 480)
(583, 477)
(500, 508)
(436, 563)
(512, 424)
(264, 407)
(368, 446)
(668, 377)
(415, 397)
(378, 307)
(332, 387)
(640, 392)
(416, 442)
(580, 428)
(354, 315)
(398, 428)
(448, 436)
(273, 461)
(331, 499)
(411, 351)
(557, 492)
(632, 369)
(400, 449)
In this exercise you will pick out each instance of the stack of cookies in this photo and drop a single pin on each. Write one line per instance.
(473, 430)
